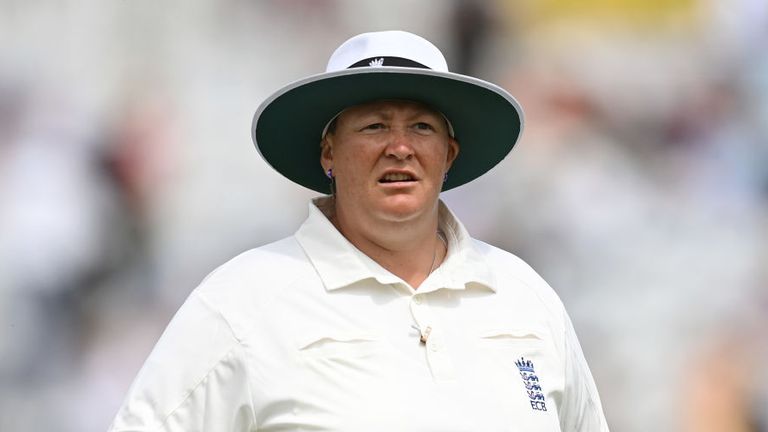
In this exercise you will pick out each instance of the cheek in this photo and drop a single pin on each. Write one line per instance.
(350, 166)
(352, 176)
(356, 162)
(438, 160)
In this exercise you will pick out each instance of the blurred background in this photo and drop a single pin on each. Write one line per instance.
(639, 189)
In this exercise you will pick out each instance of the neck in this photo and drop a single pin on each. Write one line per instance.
(409, 249)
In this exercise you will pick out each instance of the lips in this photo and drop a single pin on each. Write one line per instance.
(396, 177)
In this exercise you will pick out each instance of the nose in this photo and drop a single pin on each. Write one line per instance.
(399, 146)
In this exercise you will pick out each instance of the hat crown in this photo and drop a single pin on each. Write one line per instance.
(393, 44)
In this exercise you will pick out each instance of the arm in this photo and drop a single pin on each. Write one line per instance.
(581, 410)
(194, 380)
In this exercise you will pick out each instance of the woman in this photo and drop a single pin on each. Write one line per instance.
(381, 312)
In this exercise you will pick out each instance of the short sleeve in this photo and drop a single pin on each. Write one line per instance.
(581, 410)
(195, 379)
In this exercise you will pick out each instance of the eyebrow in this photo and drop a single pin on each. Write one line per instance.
(419, 111)
(385, 114)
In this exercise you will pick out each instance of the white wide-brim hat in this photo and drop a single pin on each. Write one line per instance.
(287, 127)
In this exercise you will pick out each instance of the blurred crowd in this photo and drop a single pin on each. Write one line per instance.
(639, 189)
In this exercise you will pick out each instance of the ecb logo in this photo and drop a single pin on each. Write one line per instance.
(531, 382)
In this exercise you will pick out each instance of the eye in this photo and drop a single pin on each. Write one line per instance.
(423, 127)
(373, 127)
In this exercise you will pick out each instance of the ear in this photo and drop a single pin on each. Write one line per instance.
(326, 153)
(453, 152)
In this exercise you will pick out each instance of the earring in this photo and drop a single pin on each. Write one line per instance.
(445, 177)
(332, 185)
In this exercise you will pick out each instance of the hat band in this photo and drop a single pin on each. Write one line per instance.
(387, 61)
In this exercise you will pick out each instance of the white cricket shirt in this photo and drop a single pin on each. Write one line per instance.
(309, 334)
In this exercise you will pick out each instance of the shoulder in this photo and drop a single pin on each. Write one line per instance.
(268, 264)
(240, 288)
(515, 276)
(202, 351)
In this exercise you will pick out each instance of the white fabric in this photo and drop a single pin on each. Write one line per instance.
(394, 43)
(308, 333)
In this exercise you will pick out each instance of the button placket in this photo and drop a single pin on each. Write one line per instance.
(438, 361)
(422, 316)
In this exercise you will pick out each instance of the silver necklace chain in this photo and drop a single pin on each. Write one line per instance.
(434, 254)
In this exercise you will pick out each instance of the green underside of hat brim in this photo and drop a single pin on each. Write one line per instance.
(287, 129)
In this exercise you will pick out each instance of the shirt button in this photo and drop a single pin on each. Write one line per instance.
(417, 299)
(434, 346)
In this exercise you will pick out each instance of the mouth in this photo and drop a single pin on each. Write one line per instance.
(397, 177)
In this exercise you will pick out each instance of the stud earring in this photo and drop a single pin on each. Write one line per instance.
(332, 185)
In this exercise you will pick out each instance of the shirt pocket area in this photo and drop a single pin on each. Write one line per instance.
(351, 345)
(518, 367)
(508, 338)
(501, 347)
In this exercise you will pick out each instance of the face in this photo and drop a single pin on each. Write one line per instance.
(388, 159)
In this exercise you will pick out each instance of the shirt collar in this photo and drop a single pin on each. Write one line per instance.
(464, 264)
(340, 264)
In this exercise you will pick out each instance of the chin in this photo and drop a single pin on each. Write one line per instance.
(402, 209)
